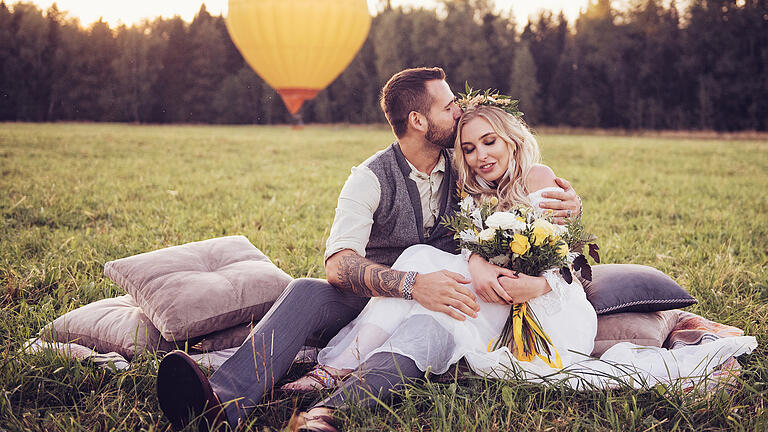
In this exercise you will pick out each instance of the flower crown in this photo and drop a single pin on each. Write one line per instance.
(474, 98)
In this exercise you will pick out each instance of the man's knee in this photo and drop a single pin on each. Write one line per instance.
(308, 298)
(392, 366)
(310, 290)
(381, 376)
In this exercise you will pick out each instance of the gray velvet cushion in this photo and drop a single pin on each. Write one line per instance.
(633, 288)
(202, 287)
(640, 328)
(113, 324)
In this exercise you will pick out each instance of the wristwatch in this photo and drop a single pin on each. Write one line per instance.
(410, 278)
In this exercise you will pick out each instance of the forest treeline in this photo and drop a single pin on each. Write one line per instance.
(648, 66)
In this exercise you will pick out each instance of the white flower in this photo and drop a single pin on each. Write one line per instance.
(505, 221)
(487, 234)
(500, 260)
(477, 218)
(467, 204)
(560, 230)
(571, 257)
(468, 236)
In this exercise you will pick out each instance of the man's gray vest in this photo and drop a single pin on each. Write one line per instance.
(398, 222)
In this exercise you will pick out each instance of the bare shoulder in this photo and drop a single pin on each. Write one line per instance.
(540, 177)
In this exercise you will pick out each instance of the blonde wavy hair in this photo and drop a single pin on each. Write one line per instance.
(524, 154)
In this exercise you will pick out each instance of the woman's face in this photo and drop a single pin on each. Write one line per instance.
(485, 153)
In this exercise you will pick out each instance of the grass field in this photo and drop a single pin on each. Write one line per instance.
(74, 196)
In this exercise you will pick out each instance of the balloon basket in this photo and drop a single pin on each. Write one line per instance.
(298, 122)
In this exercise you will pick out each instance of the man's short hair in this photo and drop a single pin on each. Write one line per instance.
(406, 91)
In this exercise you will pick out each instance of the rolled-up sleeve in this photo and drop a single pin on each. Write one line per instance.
(358, 200)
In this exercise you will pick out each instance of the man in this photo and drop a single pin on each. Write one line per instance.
(392, 201)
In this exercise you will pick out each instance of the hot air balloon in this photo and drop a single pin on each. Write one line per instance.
(298, 46)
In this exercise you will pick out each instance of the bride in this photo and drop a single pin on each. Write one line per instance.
(497, 156)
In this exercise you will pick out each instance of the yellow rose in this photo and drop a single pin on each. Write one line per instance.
(541, 230)
(563, 250)
(520, 218)
(519, 244)
(494, 201)
(539, 235)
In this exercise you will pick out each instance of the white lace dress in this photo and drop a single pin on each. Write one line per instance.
(435, 341)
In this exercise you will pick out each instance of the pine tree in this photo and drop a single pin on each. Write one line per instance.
(8, 54)
(238, 98)
(173, 77)
(523, 84)
(207, 57)
(135, 71)
(546, 39)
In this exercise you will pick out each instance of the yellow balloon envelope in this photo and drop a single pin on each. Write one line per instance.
(298, 46)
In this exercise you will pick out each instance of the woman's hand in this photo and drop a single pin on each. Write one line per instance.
(485, 277)
(522, 287)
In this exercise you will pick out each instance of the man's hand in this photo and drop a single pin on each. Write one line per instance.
(485, 277)
(442, 291)
(522, 287)
(567, 205)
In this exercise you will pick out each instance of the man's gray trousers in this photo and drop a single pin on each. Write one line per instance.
(307, 307)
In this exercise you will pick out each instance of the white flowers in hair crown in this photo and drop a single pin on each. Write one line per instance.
(474, 98)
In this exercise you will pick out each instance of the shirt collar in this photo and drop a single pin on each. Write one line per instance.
(440, 167)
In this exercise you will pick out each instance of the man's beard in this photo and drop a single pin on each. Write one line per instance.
(440, 137)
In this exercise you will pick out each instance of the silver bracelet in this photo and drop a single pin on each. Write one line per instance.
(410, 278)
(581, 207)
(466, 254)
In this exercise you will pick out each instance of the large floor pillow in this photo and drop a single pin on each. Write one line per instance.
(114, 324)
(633, 288)
(202, 287)
(640, 328)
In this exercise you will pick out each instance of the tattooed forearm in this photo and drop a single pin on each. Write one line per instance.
(367, 279)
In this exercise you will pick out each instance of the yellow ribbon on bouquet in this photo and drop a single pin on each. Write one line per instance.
(518, 318)
(531, 344)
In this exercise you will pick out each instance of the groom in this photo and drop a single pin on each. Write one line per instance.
(392, 201)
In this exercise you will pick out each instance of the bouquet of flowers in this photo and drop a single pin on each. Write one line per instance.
(523, 241)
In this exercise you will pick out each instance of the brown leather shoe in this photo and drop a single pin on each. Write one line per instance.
(185, 395)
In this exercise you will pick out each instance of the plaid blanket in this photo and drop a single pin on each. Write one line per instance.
(692, 329)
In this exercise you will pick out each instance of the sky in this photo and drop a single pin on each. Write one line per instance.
(128, 12)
